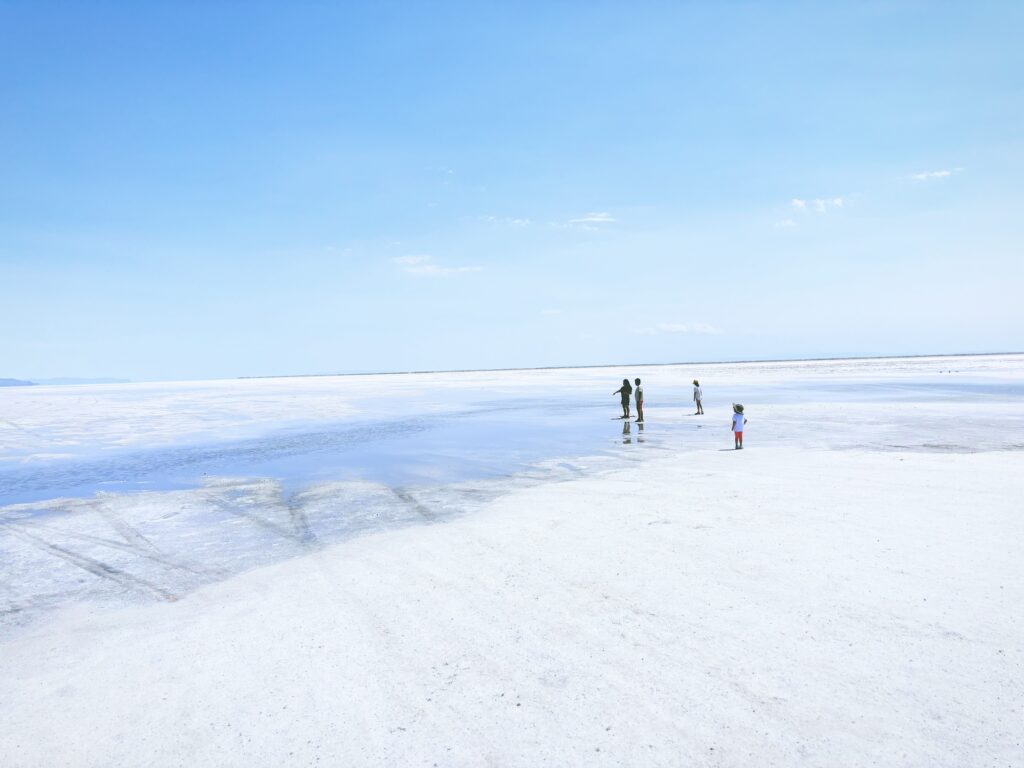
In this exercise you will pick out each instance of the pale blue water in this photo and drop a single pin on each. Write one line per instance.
(485, 440)
(488, 438)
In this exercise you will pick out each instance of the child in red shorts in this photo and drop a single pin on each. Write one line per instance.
(738, 420)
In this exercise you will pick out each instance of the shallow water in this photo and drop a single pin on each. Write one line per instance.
(436, 442)
(488, 440)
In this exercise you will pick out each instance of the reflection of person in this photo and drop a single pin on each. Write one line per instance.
(625, 433)
(625, 390)
(738, 420)
(697, 396)
(638, 395)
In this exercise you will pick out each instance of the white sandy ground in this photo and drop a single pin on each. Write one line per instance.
(770, 607)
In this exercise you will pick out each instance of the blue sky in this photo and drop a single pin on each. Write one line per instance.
(193, 190)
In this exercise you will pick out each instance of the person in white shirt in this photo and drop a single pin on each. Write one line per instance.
(697, 395)
(738, 420)
(638, 395)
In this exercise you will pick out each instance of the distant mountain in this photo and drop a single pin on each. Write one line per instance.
(16, 383)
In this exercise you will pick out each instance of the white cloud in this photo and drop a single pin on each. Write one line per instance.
(425, 266)
(595, 221)
(436, 269)
(926, 175)
(785, 224)
(697, 328)
(510, 220)
(594, 218)
(818, 205)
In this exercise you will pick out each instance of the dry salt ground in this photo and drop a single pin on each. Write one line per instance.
(461, 592)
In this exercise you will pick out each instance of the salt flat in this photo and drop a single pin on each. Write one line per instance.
(845, 591)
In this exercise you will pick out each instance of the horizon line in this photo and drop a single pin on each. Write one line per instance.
(619, 365)
(119, 381)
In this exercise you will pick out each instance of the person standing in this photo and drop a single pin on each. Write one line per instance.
(738, 420)
(638, 395)
(697, 396)
(625, 391)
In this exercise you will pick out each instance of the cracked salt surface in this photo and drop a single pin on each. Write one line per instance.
(146, 492)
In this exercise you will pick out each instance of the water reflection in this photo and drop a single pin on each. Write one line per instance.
(497, 439)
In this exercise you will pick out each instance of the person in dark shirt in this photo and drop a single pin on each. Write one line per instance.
(625, 390)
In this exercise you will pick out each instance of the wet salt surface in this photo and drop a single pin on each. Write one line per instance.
(91, 514)
(487, 441)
